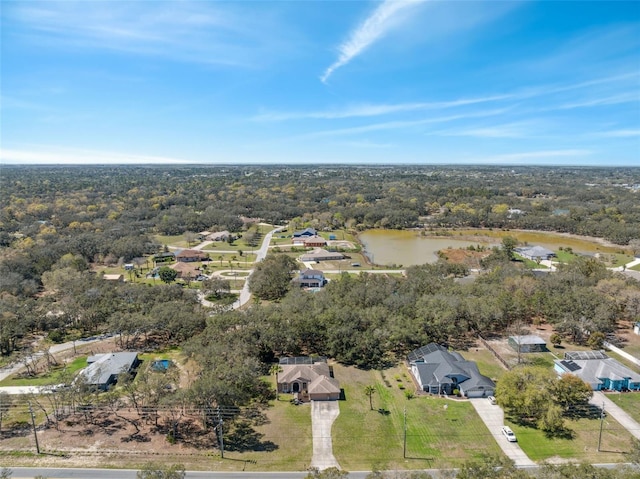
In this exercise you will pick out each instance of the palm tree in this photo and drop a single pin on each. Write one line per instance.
(275, 369)
(370, 391)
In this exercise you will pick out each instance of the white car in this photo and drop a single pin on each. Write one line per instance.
(508, 433)
(492, 400)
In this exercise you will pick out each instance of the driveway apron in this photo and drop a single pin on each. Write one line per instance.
(323, 413)
(493, 417)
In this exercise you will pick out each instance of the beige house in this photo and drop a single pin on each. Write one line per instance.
(186, 270)
(309, 379)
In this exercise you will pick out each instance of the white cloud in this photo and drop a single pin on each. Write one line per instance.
(370, 31)
(395, 125)
(368, 110)
(190, 31)
(71, 156)
(542, 154)
(620, 134)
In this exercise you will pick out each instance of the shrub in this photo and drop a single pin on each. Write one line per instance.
(409, 395)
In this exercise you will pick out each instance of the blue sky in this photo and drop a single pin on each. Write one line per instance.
(466, 82)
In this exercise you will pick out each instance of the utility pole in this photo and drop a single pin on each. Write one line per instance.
(35, 434)
(404, 443)
(601, 423)
(220, 433)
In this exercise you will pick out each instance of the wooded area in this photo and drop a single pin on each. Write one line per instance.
(58, 222)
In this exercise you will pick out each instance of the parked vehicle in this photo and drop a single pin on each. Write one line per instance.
(492, 400)
(508, 433)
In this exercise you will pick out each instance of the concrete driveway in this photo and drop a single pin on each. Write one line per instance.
(612, 409)
(493, 417)
(323, 413)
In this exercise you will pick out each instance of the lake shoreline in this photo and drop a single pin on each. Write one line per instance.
(390, 247)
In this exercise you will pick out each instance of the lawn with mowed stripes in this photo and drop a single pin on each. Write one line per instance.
(437, 436)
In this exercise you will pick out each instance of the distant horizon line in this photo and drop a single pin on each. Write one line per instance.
(323, 165)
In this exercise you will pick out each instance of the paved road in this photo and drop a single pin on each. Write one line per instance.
(493, 417)
(261, 254)
(323, 413)
(13, 368)
(613, 410)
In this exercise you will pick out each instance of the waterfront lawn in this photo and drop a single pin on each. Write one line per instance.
(563, 256)
(529, 264)
(436, 436)
(582, 447)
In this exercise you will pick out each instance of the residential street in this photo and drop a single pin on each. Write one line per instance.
(493, 417)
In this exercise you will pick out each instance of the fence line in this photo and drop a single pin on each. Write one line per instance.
(493, 351)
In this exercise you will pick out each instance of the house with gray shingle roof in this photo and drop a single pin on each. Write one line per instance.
(438, 371)
(103, 369)
(535, 253)
(598, 370)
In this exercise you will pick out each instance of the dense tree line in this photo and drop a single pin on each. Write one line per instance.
(373, 320)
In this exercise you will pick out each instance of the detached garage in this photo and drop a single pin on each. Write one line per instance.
(528, 344)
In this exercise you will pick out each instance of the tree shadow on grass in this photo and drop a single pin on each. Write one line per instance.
(242, 437)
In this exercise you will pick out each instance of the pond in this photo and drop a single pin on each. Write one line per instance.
(409, 248)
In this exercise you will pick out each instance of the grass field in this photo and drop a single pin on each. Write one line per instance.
(635, 268)
(583, 447)
(487, 363)
(530, 264)
(563, 256)
(283, 440)
(56, 376)
(436, 437)
(630, 402)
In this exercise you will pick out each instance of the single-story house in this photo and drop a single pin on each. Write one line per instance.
(310, 379)
(185, 270)
(529, 343)
(598, 370)
(113, 277)
(310, 241)
(310, 278)
(321, 255)
(164, 257)
(103, 369)
(190, 255)
(219, 236)
(438, 371)
(203, 235)
(305, 232)
(535, 253)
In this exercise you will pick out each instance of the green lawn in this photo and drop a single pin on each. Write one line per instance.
(486, 361)
(565, 256)
(175, 240)
(635, 268)
(630, 402)
(286, 430)
(436, 437)
(56, 376)
(529, 264)
(583, 447)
